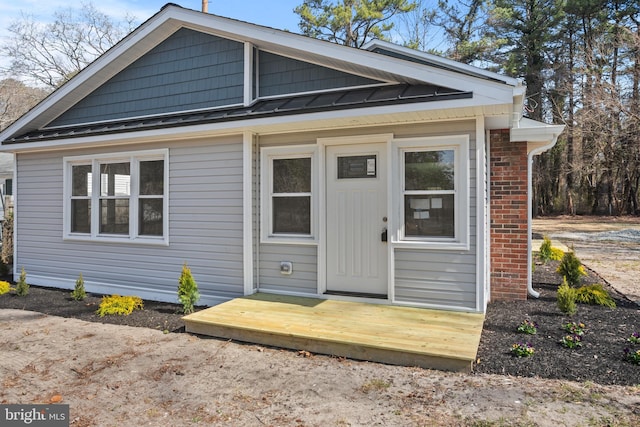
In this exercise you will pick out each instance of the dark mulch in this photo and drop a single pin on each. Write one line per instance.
(600, 359)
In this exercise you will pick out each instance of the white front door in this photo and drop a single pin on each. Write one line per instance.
(356, 219)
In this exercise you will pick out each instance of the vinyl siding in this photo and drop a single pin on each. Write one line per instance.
(190, 70)
(443, 278)
(305, 271)
(279, 75)
(205, 228)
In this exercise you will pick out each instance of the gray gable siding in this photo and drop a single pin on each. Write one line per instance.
(279, 75)
(189, 70)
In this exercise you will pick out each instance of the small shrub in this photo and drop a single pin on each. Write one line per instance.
(549, 253)
(567, 298)
(22, 287)
(5, 287)
(571, 341)
(594, 295)
(575, 328)
(79, 292)
(522, 349)
(528, 327)
(545, 250)
(571, 268)
(556, 254)
(119, 305)
(632, 356)
(187, 290)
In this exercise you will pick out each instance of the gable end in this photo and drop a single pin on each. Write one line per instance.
(189, 70)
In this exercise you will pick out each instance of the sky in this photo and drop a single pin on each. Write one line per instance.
(277, 14)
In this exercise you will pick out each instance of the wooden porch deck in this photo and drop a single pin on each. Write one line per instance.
(433, 339)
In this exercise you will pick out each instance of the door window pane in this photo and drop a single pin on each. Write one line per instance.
(357, 167)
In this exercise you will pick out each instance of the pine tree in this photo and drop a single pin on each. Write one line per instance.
(187, 290)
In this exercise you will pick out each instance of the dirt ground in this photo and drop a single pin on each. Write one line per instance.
(115, 375)
(608, 245)
(124, 376)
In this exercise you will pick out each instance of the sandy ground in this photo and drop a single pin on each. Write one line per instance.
(609, 246)
(123, 376)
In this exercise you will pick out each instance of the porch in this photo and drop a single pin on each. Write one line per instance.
(433, 339)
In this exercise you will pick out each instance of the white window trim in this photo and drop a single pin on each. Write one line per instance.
(133, 157)
(267, 155)
(460, 145)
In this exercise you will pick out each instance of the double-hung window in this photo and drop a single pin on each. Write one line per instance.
(433, 181)
(289, 197)
(119, 197)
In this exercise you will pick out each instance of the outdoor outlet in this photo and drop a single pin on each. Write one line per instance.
(286, 267)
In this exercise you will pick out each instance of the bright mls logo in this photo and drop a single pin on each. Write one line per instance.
(34, 415)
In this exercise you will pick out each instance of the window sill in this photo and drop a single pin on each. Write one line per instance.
(147, 241)
(432, 245)
(276, 240)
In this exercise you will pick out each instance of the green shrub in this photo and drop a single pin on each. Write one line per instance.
(594, 295)
(119, 305)
(187, 290)
(571, 268)
(567, 298)
(79, 292)
(556, 254)
(545, 250)
(5, 287)
(22, 287)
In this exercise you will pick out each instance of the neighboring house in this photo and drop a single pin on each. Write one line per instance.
(273, 162)
(6, 184)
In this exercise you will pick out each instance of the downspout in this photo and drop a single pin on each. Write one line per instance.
(534, 152)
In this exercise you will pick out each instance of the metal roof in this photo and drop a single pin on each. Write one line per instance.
(281, 106)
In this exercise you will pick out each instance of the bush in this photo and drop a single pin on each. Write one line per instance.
(187, 290)
(567, 298)
(79, 292)
(594, 295)
(571, 268)
(545, 250)
(5, 287)
(22, 287)
(119, 305)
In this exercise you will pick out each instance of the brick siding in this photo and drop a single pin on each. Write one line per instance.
(508, 213)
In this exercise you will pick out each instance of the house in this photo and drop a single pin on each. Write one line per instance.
(273, 162)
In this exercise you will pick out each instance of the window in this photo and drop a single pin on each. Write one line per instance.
(288, 193)
(120, 197)
(433, 184)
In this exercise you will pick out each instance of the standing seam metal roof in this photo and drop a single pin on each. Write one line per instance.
(289, 105)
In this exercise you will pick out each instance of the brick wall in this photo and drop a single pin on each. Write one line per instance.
(508, 213)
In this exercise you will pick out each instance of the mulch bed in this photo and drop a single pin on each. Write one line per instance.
(600, 359)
